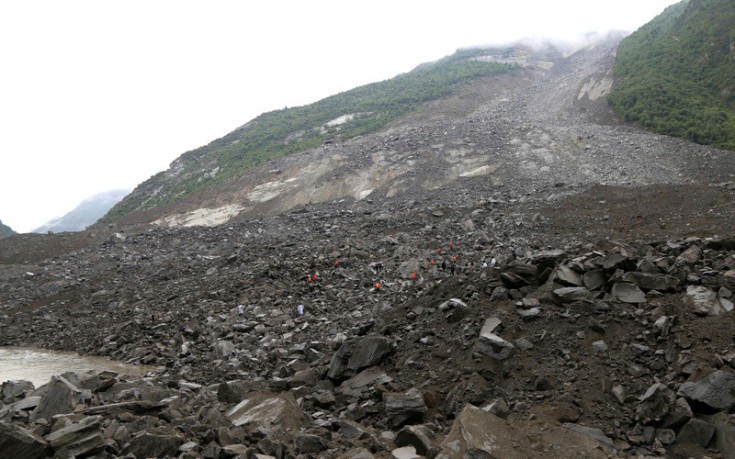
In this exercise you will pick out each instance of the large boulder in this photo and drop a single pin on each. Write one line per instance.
(12, 391)
(21, 443)
(147, 444)
(491, 345)
(565, 275)
(269, 413)
(655, 404)
(650, 281)
(357, 354)
(59, 397)
(403, 407)
(702, 301)
(79, 438)
(715, 392)
(477, 433)
(627, 293)
(566, 295)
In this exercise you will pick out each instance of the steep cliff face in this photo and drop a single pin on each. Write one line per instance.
(545, 123)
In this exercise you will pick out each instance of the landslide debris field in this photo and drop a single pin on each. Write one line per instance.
(609, 334)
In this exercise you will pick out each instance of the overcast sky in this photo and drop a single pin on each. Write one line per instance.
(99, 95)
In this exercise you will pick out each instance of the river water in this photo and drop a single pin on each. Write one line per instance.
(38, 365)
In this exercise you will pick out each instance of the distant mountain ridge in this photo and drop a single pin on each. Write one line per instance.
(85, 214)
(5, 230)
(677, 73)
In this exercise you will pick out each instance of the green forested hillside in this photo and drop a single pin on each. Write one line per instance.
(5, 230)
(677, 73)
(282, 132)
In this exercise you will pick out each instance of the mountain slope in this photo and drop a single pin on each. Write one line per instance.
(677, 73)
(544, 127)
(5, 230)
(86, 213)
(275, 134)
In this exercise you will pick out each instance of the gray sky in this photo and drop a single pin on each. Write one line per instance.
(98, 95)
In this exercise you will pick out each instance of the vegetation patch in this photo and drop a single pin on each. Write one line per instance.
(677, 73)
(356, 112)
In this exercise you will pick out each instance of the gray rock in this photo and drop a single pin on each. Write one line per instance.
(499, 294)
(597, 434)
(404, 407)
(223, 349)
(655, 404)
(235, 391)
(599, 346)
(678, 414)
(725, 436)
(627, 293)
(357, 354)
(309, 444)
(421, 437)
(666, 436)
(357, 453)
(648, 281)
(351, 430)
(594, 280)
(12, 391)
(492, 345)
(79, 438)
(268, 413)
(355, 385)
(528, 315)
(498, 407)
(564, 275)
(566, 295)
(477, 433)
(696, 432)
(702, 301)
(21, 443)
(147, 444)
(690, 256)
(716, 391)
(60, 397)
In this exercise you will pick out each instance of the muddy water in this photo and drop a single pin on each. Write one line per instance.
(38, 365)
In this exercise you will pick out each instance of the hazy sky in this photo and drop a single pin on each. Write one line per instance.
(97, 95)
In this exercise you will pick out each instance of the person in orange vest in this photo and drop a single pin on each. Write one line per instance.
(377, 286)
(413, 275)
(451, 246)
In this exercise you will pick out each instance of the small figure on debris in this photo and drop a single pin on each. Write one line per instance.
(439, 250)
(444, 265)
(300, 309)
(413, 275)
(451, 246)
(453, 268)
(493, 262)
(484, 264)
(513, 253)
(240, 310)
(377, 286)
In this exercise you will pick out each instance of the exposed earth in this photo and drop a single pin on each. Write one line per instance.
(610, 333)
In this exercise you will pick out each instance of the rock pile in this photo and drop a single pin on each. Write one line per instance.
(619, 350)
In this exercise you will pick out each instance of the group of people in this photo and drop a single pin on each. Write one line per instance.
(449, 263)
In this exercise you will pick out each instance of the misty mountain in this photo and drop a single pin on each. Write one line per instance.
(5, 230)
(677, 73)
(88, 212)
